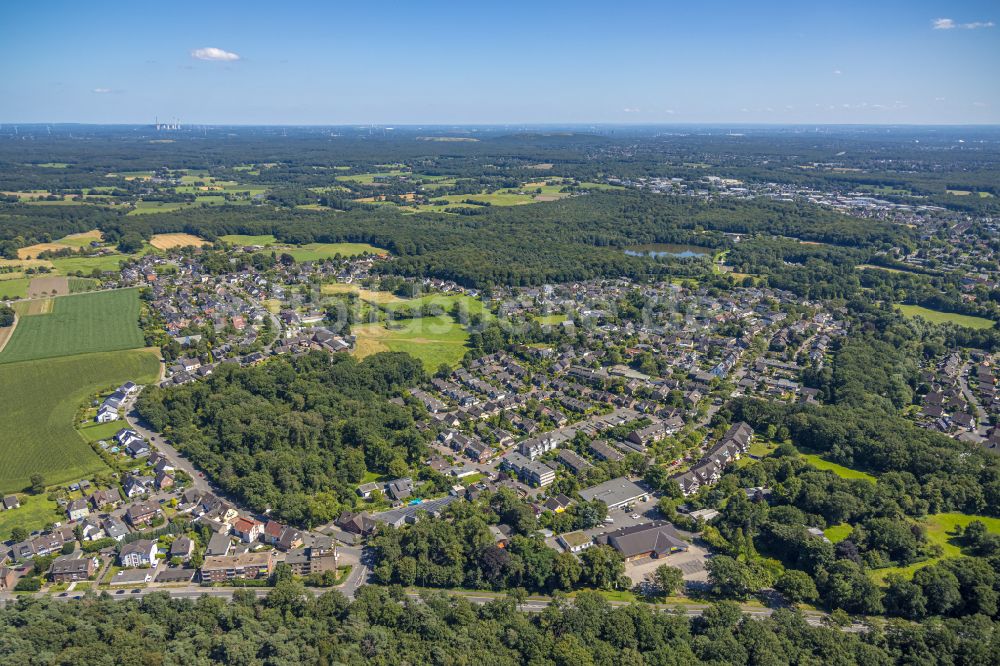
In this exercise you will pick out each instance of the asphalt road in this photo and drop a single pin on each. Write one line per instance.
(536, 605)
(158, 441)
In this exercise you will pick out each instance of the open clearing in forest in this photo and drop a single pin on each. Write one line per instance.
(78, 324)
(41, 399)
(841, 471)
(940, 531)
(433, 340)
(170, 241)
(939, 317)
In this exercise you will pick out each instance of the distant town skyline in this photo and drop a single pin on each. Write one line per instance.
(311, 63)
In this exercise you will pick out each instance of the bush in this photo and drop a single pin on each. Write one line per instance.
(29, 584)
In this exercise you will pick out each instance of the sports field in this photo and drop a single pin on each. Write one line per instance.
(40, 402)
(938, 317)
(78, 324)
(433, 340)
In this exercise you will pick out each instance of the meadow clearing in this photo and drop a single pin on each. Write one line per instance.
(77, 324)
(308, 252)
(938, 317)
(841, 471)
(940, 531)
(41, 399)
(433, 340)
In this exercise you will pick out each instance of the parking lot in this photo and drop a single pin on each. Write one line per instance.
(691, 563)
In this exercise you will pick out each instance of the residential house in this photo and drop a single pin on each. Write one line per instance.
(220, 568)
(182, 547)
(141, 553)
(114, 528)
(101, 499)
(142, 513)
(248, 529)
(69, 569)
(77, 509)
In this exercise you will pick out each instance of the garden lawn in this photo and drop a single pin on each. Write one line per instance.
(938, 317)
(78, 324)
(41, 401)
(35, 512)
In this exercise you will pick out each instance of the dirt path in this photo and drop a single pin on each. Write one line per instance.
(8, 332)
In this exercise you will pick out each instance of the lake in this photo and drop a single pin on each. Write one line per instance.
(667, 250)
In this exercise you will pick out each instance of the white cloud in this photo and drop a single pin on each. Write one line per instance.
(212, 53)
(629, 109)
(949, 24)
(102, 91)
(837, 72)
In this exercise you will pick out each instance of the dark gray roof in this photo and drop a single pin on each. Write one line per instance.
(658, 537)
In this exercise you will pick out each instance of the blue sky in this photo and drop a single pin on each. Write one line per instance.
(879, 61)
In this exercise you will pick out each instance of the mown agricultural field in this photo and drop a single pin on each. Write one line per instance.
(40, 401)
(319, 251)
(78, 324)
(938, 317)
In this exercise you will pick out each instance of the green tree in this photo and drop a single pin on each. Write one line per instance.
(667, 579)
(796, 586)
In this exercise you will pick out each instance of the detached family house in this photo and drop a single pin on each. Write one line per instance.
(138, 553)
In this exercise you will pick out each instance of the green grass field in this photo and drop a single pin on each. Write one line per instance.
(433, 340)
(35, 512)
(938, 317)
(839, 470)
(317, 251)
(243, 239)
(95, 432)
(939, 529)
(837, 533)
(551, 319)
(41, 399)
(15, 288)
(80, 285)
(103, 263)
(78, 324)
(473, 306)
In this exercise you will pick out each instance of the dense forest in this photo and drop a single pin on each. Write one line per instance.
(295, 435)
(383, 627)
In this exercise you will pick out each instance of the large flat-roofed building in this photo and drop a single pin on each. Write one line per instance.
(532, 472)
(220, 568)
(616, 493)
